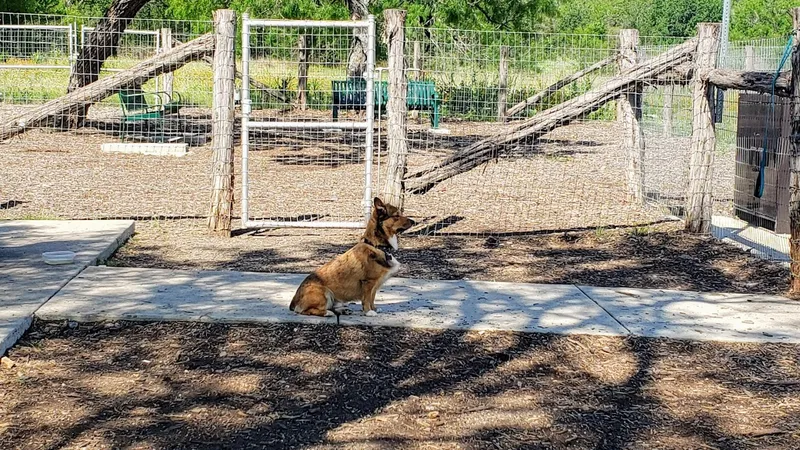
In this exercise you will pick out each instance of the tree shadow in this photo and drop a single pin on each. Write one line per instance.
(361, 387)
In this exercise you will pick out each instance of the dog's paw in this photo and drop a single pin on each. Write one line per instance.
(329, 313)
(371, 313)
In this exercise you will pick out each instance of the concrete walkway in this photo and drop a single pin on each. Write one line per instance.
(26, 282)
(108, 293)
(83, 293)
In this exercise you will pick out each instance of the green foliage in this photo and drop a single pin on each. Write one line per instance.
(680, 17)
(761, 18)
(34, 6)
(750, 18)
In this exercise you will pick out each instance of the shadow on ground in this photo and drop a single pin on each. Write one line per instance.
(657, 256)
(297, 386)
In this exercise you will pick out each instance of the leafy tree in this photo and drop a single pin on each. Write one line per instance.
(511, 15)
(761, 18)
(680, 17)
(750, 18)
(34, 6)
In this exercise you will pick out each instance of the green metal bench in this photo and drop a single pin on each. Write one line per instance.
(351, 94)
(148, 107)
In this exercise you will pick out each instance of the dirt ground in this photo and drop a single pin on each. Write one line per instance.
(659, 256)
(194, 386)
(199, 386)
(572, 178)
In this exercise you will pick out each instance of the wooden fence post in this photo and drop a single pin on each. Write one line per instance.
(699, 200)
(794, 161)
(631, 117)
(394, 190)
(222, 119)
(166, 44)
(666, 114)
(749, 58)
(502, 84)
(302, 72)
(417, 64)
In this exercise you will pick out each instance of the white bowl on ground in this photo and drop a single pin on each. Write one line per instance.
(57, 258)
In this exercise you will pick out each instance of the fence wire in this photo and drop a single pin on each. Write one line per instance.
(300, 75)
(58, 170)
(574, 176)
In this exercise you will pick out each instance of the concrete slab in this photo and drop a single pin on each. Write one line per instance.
(26, 282)
(113, 293)
(148, 148)
(701, 316)
(758, 241)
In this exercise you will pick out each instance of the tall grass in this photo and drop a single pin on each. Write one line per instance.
(465, 95)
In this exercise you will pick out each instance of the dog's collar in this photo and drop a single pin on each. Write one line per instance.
(385, 248)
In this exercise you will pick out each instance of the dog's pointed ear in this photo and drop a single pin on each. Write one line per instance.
(379, 206)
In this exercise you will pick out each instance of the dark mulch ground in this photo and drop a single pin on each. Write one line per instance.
(199, 386)
(654, 257)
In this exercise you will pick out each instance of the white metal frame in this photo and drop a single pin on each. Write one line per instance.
(368, 125)
(71, 45)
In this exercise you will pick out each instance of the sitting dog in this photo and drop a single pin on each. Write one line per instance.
(355, 275)
(358, 273)
(384, 225)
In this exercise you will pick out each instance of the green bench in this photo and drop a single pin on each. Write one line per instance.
(351, 94)
(148, 107)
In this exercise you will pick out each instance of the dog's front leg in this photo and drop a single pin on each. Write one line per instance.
(369, 289)
(368, 301)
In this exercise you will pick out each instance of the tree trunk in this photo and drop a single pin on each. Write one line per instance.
(701, 160)
(748, 80)
(166, 43)
(51, 112)
(222, 122)
(794, 162)
(539, 96)
(357, 59)
(502, 84)
(508, 137)
(631, 118)
(100, 45)
(302, 71)
(393, 192)
(666, 113)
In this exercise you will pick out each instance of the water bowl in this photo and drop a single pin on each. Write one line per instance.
(57, 258)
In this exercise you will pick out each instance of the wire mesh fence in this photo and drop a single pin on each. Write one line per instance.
(571, 178)
(491, 89)
(309, 152)
(58, 168)
(753, 143)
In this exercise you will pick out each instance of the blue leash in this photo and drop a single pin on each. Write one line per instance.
(759, 188)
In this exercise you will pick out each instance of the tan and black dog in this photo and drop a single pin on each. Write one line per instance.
(355, 275)
(358, 273)
(384, 225)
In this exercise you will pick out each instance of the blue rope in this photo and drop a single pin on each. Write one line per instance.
(759, 188)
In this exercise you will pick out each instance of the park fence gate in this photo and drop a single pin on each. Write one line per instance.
(268, 48)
